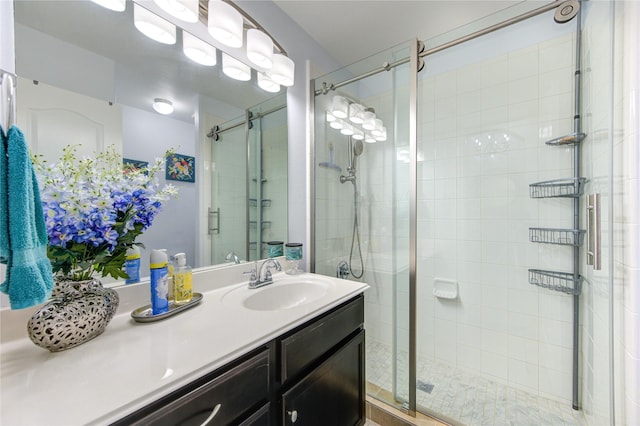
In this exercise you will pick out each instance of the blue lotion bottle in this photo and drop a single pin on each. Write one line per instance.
(159, 263)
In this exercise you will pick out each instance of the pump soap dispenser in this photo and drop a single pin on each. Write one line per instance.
(182, 280)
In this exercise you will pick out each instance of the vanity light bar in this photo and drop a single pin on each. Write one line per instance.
(225, 23)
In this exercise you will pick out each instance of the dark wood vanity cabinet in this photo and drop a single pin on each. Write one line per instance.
(312, 375)
(235, 394)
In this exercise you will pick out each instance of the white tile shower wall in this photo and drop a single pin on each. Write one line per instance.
(482, 133)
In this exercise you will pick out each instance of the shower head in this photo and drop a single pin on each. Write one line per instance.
(566, 11)
(358, 147)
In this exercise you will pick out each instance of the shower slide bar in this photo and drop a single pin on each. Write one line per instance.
(386, 66)
(8, 99)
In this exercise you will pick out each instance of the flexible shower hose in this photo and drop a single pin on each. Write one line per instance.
(355, 235)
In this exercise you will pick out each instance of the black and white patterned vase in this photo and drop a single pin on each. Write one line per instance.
(77, 312)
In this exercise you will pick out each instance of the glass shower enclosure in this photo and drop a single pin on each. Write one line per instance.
(476, 312)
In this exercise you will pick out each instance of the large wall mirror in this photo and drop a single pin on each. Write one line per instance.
(87, 76)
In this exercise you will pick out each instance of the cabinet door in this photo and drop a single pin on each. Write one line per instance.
(333, 393)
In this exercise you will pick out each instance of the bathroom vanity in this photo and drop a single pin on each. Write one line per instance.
(313, 374)
(289, 353)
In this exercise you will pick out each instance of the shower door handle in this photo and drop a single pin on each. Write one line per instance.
(213, 215)
(593, 231)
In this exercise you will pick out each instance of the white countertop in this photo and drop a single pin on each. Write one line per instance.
(133, 364)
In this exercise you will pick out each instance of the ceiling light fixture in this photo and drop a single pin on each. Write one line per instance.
(162, 106)
(115, 5)
(185, 10)
(225, 23)
(153, 26)
(197, 50)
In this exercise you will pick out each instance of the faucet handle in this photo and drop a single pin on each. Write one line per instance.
(253, 272)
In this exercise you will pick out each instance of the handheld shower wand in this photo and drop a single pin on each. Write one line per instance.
(355, 149)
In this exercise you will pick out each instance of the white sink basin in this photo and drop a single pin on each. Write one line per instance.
(284, 293)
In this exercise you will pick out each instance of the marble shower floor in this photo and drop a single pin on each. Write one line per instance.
(468, 399)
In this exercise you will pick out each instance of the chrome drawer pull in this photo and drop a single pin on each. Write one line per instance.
(212, 415)
(293, 415)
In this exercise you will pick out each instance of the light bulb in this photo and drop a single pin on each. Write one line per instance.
(368, 120)
(283, 70)
(259, 48)
(355, 113)
(235, 69)
(153, 26)
(266, 83)
(185, 10)
(197, 50)
(225, 24)
(340, 107)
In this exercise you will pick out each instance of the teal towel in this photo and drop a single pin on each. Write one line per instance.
(29, 280)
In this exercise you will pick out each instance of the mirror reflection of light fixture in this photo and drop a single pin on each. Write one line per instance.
(162, 106)
(267, 84)
(185, 10)
(225, 23)
(356, 120)
(259, 48)
(153, 26)
(347, 129)
(116, 5)
(356, 112)
(369, 120)
(197, 50)
(340, 107)
(336, 124)
(235, 69)
(283, 70)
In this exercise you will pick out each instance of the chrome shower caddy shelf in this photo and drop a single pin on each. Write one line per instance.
(571, 139)
(564, 282)
(558, 188)
(565, 237)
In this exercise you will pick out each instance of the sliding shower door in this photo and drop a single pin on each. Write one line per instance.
(361, 167)
(493, 348)
(267, 141)
(227, 218)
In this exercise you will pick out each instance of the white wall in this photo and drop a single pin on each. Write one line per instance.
(147, 136)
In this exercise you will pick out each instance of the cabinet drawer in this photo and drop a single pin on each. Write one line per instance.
(303, 347)
(237, 391)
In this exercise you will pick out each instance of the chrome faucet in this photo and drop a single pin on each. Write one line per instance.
(232, 256)
(257, 279)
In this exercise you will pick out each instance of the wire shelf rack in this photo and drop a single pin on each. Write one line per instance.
(558, 188)
(565, 237)
(559, 281)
